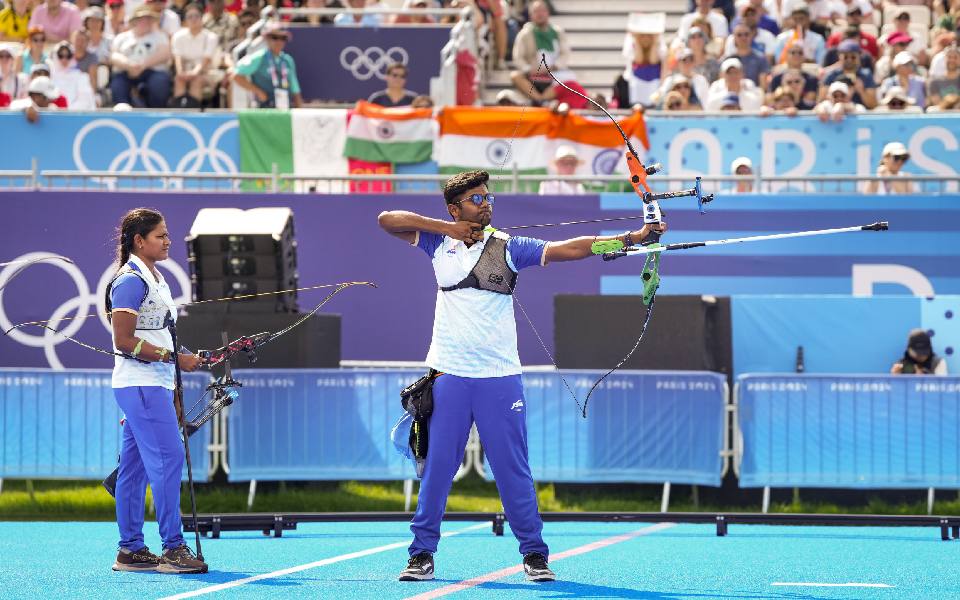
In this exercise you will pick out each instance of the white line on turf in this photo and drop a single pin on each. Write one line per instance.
(495, 575)
(320, 563)
(814, 584)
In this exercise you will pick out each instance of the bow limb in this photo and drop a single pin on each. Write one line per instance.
(6, 279)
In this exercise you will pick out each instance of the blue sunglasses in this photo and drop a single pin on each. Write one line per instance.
(479, 198)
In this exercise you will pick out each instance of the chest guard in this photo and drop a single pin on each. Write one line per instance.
(491, 273)
(152, 315)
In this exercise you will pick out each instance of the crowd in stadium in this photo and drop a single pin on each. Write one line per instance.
(835, 57)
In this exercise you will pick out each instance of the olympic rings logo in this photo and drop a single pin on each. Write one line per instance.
(373, 61)
(150, 160)
(82, 303)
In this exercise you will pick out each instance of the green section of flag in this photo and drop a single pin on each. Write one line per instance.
(266, 138)
(501, 180)
(391, 152)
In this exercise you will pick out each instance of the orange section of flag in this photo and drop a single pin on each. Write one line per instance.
(495, 121)
(400, 113)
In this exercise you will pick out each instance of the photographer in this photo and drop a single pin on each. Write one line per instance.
(918, 358)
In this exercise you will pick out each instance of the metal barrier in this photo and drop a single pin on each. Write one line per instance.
(66, 425)
(848, 431)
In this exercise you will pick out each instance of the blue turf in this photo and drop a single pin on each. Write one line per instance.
(72, 560)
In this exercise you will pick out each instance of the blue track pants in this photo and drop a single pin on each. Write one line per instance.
(497, 405)
(151, 451)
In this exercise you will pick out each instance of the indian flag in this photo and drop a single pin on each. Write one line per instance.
(394, 135)
(306, 142)
(499, 139)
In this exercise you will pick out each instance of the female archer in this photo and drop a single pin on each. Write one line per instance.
(141, 308)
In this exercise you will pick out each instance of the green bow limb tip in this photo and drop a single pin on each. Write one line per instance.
(606, 246)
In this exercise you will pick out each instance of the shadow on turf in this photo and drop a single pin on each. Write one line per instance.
(572, 589)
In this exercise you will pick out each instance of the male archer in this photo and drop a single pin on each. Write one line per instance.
(474, 346)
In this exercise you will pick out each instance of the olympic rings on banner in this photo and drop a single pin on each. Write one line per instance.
(372, 62)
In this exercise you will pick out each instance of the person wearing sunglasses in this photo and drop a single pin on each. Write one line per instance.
(73, 83)
(13, 84)
(270, 73)
(474, 345)
(395, 94)
(33, 52)
(892, 160)
(15, 21)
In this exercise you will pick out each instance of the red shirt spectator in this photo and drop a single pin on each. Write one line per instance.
(867, 42)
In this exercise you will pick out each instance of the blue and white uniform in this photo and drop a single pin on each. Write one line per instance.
(151, 449)
(475, 345)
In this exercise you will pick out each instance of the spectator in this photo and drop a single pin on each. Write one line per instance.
(510, 98)
(565, 161)
(224, 24)
(245, 20)
(755, 66)
(98, 44)
(742, 166)
(43, 70)
(940, 44)
(86, 62)
(270, 73)
(674, 102)
(641, 78)
(367, 19)
(73, 83)
(718, 23)
(116, 19)
(949, 83)
(15, 21)
(781, 100)
(801, 84)
(854, 20)
(703, 63)
(825, 14)
(34, 53)
(13, 83)
(193, 49)
(832, 56)
(141, 62)
(897, 43)
(179, 8)
(918, 358)
(40, 95)
(949, 102)
(697, 84)
(537, 38)
(494, 15)
(764, 20)
(849, 68)
(896, 99)
(761, 40)
(395, 94)
(838, 103)
(423, 19)
(168, 20)
(732, 83)
(901, 27)
(813, 44)
(905, 76)
(59, 19)
(894, 157)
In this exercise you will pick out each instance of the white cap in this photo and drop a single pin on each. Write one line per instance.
(895, 149)
(740, 161)
(903, 58)
(647, 22)
(896, 93)
(122, 107)
(10, 48)
(566, 151)
(43, 85)
(731, 62)
(839, 86)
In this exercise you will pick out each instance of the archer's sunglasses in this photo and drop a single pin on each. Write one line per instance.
(478, 199)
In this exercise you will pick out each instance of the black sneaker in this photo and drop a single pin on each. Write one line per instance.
(535, 566)
(419, 568)
(181, 560)
(141, 560)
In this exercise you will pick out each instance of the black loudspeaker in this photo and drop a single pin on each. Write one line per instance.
(685, 333)
(314, 344)
(234, 252)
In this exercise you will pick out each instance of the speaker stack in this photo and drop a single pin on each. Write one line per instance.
(234, 252)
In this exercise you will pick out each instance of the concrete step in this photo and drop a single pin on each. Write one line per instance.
(623, 6)
(603, 22)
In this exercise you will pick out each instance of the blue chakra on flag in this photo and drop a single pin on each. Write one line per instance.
(385, 130)
(605, 162)
(498, 152)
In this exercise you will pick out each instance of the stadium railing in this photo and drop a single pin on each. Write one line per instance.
(847, 431)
